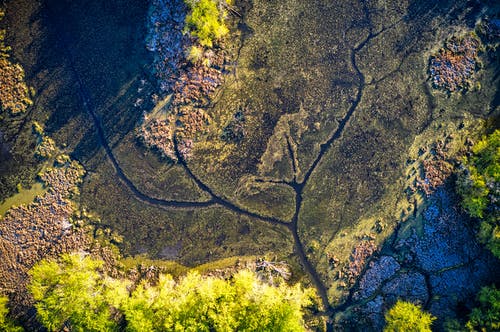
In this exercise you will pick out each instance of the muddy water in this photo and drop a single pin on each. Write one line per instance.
(25, 196)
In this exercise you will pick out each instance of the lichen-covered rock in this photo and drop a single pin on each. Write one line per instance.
(373, 314)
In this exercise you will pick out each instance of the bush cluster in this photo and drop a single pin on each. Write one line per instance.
(479, 187)
(5, 323)
(486, 317)
(74, 293)
(407, 317)
(205, 21)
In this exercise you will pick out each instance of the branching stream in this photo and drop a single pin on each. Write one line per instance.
(216, 200)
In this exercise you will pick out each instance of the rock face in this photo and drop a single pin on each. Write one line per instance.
(410, 286)
(441, 268)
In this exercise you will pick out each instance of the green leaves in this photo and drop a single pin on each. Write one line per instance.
(5, 323)
(205, 21)
(198, 303)
(407, 317)
(487, 316)
(479, 187)
(71, 292)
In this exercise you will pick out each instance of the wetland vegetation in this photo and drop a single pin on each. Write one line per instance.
(345, 153)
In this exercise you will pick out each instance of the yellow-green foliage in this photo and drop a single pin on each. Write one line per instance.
(487, 316)
(195, 54)
(71, 292)
(205, 21)
(198, 303)
(5, 323)
(480, 191)
(407, 317)
(3, 48)
(45, 147)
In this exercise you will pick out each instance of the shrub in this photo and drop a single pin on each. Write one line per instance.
(195, 54)
(197, 303)
(5, 323)
(487, 316)
(72, 293)
(407, 317)
(479, 187)
(205, 21)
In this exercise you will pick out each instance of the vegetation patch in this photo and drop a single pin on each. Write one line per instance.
(453, 67)
(486, 317)
(6, 324)
(206, 21)
(14, 93)
(189, 64)
(74, 292)
(479, 186)
(406, 316)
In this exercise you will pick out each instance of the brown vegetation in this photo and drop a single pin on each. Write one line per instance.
(159, 135)
(39, 230)
(191, 82)
(453, 67)
(436, 169)
(359, 257)
(14, 94)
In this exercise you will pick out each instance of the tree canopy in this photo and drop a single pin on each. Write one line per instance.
(479, 186)
(407, 317)
(205, 21)
(197, 303)
(486, 317)
(72, 292)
